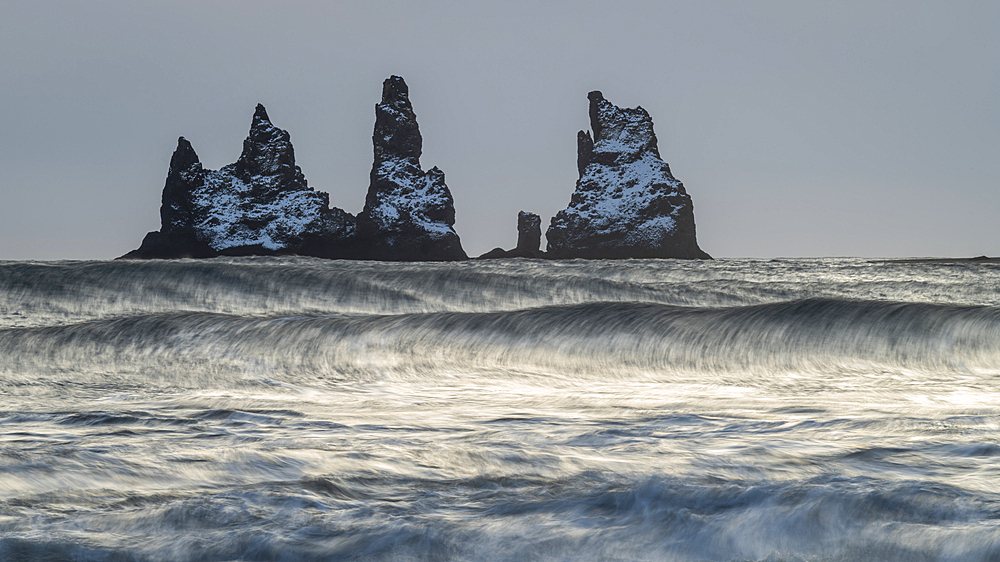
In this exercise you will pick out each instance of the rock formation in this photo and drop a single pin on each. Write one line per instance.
(409, 214)
(529, 240)
(260, 205)
(626, 204)
(529, 232)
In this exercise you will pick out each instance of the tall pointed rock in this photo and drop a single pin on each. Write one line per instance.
(268, 159)
(627, 204)
(184, 176)
(409, 214)
(176, 237)
(259, 205)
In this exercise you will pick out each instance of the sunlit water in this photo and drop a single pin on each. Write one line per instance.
(299, 409)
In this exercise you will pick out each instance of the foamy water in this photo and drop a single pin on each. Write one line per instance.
(299, 409)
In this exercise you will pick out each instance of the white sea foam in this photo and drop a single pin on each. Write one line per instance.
(293, 408)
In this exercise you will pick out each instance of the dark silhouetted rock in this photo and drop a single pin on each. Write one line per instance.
(494, 254)
(409, 214)
(529, 240)
(529, 232)
(260, 205)
(500, 253)
(626, 204)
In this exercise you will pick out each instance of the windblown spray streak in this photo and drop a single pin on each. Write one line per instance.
(264, 409)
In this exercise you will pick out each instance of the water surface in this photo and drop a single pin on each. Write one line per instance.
(301, 409)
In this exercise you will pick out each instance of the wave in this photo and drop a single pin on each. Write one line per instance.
(281, 408)
(43, 294)
(53, 293)
(594, 340)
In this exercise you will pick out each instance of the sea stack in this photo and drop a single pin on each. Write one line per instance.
(409, 214)
(529, 232)
(627, 204)
(262, 205)
(259, 205)
(529, 240)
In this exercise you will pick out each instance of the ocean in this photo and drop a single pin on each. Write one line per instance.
(305, 409)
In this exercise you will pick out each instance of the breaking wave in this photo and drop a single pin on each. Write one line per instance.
(586, 340)
(297, 409)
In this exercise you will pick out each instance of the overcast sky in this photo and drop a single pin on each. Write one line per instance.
(799, 128)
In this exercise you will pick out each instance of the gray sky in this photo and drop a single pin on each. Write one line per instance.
(799, 128)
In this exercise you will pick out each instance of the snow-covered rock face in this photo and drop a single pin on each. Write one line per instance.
(262, 199)
(262, 205)
(626, 204)
(409, 213)
(259, 204)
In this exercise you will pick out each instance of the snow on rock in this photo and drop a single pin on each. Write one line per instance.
(409, 214)
(261, 204)
(626, 204)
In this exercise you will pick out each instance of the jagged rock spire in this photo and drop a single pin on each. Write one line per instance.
(260, 116)
(409, 213)
(260, 204)
(397, 134)
(184, 173)
(626, 132)
(268, 150)
(184, 156)
(626, 203)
